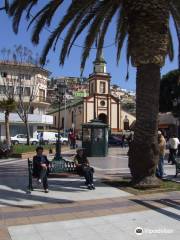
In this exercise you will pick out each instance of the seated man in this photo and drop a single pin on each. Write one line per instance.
(40, 167)
(83, 168)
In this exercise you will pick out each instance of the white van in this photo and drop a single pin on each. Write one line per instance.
(51, 137)
(47, 137)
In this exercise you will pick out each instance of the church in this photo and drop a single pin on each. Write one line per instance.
(100, 104)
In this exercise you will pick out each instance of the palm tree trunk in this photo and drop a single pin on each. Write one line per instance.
(7, 131)
(143, 153)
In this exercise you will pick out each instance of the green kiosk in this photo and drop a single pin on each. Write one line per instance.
(95, 138)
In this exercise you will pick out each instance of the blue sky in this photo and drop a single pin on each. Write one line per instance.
(72, 65)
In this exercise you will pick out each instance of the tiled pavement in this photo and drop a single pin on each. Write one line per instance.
(69, 211)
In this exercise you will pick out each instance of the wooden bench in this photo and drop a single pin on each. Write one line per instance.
(63, 166)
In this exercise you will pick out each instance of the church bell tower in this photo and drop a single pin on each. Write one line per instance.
(99, 80)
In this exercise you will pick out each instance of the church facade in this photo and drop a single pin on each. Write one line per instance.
(100, 104)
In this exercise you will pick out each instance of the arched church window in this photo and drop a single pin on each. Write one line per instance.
(102, 87)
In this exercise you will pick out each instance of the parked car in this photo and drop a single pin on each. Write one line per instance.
(22, 139)
(114, 141)
(64, 138)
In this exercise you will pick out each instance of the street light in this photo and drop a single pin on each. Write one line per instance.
(60, 91)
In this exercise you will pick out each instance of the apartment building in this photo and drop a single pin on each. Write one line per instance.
(31, 81)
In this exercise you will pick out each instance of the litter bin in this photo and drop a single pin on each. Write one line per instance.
(95, 138)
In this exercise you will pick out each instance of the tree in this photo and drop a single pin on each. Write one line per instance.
(24, 102)
(146, 24)
(170, 92)
(8, 104)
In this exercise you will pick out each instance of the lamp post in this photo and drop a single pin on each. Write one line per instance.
(60, 90)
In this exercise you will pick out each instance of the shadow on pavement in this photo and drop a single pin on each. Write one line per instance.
(8, 195)
(169, 203)
(158, 209)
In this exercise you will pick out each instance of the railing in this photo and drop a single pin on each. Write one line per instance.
(32, 118)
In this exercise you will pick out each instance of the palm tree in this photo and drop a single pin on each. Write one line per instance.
(146, 26)
(8, 106)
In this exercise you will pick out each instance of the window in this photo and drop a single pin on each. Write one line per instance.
(2, 89)
(102, 87)
(27, 77)
(62, 123)
(92, 87)
(19, 90)
(27, 91)
(86, 135)
(41, 95)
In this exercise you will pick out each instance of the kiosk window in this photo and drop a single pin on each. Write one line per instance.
(98, 135)
(86, 134)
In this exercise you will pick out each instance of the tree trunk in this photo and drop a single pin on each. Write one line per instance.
(27, 132)
(143, 152)
(8, 138)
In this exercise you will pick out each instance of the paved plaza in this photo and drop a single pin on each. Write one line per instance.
(70, 211)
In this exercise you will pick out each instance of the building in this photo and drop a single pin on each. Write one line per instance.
(76, 87)
(168, 124)
(28, 79)
(100, 104)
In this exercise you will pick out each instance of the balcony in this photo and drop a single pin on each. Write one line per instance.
(33, 119)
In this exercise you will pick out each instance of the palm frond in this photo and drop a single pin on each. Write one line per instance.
(85, 22)
(69, 36)
(30, 8)
(16, 10)
(43, 17)
(76, 7)
(105, 26)
(121, 33)
(176, 18)
(94, 30)
(170, 46)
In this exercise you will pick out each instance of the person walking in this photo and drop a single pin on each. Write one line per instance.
(83, 168)
(173, 144)
(162, 147)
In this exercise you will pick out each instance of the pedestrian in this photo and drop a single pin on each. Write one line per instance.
(83, 168)
(72, 139)
(173, 144)
(41, 167)
(130, 139)
(123, 141)
(162, 147)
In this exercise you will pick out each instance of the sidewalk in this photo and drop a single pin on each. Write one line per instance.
(70, 211)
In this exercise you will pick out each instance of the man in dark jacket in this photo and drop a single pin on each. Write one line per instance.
(40, 167)
(83, 168)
